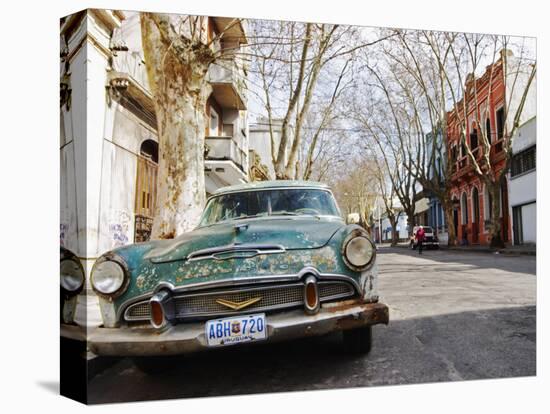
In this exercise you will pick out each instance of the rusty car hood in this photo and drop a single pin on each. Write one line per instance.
(290, 233)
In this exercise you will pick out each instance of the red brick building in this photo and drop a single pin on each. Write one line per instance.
(473, 205)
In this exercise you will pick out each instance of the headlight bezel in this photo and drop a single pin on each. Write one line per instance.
(347, 240)
(73, 259)
(111, 257)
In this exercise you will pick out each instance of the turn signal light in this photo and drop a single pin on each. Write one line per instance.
(157, 314)
(311, 295)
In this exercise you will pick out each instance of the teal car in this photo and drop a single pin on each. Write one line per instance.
(268, 261)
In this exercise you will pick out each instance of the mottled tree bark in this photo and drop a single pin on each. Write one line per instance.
(176, 70)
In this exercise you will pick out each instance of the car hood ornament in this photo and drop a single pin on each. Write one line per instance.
(238, 305)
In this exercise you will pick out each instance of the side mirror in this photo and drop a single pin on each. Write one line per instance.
(352, 218)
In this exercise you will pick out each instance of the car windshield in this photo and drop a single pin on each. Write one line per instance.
(428, 230)
(234, 206)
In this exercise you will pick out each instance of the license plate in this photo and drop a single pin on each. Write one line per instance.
(239, 329)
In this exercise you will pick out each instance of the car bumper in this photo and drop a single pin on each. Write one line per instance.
(190, 337)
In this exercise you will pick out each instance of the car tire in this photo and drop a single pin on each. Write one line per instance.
(155, 365)
(358, 341)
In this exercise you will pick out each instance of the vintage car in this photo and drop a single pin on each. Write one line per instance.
(430, 239)
(269, 261)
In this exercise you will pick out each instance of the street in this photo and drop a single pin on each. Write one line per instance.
(453, 316)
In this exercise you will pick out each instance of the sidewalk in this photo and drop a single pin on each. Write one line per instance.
(529, 250)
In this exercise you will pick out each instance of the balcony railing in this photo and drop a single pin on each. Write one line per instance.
(229, 84)
(222, 148)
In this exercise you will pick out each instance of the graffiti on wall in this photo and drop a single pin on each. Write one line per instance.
(119, 228)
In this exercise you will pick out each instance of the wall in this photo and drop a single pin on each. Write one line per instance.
(523, 188)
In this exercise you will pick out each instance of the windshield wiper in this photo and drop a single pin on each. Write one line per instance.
(250, 216)
(284, 213)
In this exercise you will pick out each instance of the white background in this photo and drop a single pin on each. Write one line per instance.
(29, 197)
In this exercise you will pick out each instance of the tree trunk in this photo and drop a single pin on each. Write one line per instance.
(410, 219)
(394, 234)
(495, 227)
(180, 89)
(449, 219)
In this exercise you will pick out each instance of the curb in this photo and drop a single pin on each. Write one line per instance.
(504, 251)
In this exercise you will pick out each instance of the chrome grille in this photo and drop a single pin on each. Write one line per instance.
(138, 312)
(272, 298)
(331, 290)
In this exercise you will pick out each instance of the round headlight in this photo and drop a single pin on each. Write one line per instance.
(107, 277)
(359, 251)
(72, 275)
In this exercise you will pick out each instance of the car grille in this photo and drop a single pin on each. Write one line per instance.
(199, 305)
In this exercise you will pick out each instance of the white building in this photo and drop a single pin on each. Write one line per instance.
(260, 141)
(109, 145)
(383, 228)
(523, 184)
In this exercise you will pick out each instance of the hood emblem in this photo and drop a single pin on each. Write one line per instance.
(238, 305)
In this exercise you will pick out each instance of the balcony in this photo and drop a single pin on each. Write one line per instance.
(462, 168)
(226, 159)
(233, 28)
(228, 84)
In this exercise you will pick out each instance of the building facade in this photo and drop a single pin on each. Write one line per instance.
(109, 144)
(436, 156)
(473, 204)
(523, 184)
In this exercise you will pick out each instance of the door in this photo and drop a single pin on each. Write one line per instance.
(146, 189)
(505, 211)
(475, 219)
(517, 225)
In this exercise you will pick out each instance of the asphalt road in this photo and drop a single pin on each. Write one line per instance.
(453, 316)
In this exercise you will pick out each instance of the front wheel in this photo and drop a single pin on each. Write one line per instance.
(358, 341)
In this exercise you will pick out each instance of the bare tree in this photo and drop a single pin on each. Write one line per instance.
(425, 71)
(388, 196)
(421, 81)
(290, 61)
(178, 53)
(389, 133)
(357, 191)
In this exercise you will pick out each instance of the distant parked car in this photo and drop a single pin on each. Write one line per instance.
(430, 239)
(268, 261)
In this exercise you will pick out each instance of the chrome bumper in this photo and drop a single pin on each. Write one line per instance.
(190, 337)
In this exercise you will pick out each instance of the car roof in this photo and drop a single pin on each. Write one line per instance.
(273, 184)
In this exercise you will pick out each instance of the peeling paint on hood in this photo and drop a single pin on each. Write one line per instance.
(292, 233)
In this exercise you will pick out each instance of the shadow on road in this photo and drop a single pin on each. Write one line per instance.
(468, 345)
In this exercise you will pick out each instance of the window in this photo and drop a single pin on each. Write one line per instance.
(453, 153)
(214, 122)
(488, 130)
(487, 205)
(291, 202)
(500, 123)
(473, 139)
(228, 130)
(524, 161)
(464, 208)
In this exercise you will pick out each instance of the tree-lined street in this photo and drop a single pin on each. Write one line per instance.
(453, 316)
